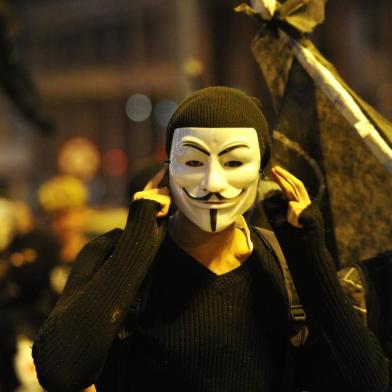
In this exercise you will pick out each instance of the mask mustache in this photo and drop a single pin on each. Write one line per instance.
(211, 194)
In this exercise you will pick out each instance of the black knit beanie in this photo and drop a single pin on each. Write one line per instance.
(221, 107)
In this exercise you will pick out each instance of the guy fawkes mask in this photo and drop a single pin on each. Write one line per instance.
(214, 173)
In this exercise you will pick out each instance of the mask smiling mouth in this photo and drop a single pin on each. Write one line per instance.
(206, 198)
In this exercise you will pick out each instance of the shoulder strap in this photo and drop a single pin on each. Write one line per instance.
(136, 309)
(297, 315)
(354, 285)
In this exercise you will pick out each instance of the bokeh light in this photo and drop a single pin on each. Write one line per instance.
(115, 162)
(79, 157)
(193, 67)
(138, 107)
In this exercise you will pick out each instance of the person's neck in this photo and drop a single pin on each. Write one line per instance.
(220, 252)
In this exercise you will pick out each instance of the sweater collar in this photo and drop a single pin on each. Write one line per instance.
(241, 224)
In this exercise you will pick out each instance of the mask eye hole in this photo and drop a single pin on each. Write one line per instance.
(194, 163)
(233, 163)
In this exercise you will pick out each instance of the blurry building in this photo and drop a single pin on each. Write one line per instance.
(88, 58)
(112, 72)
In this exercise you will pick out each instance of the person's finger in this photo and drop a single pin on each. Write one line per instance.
(154, 181)
(298, 186)
(294, 211)
(287, 174)
(287, 188)
(151, 193)
(289, 178)
(160, 195)
(296, 182)
(165, 205)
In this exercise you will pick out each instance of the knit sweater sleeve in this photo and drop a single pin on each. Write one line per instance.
(354, 349)
(71, 347)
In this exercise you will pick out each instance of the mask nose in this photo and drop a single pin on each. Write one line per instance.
(214, 180)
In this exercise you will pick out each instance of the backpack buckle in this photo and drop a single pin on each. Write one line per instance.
(297, 313)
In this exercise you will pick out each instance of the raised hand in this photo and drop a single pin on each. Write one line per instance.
(295, 193)
(152, 192)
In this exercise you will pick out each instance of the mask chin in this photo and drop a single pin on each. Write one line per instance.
(213, 220)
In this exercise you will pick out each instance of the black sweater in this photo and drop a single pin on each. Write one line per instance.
(199, 331)
(204, 332)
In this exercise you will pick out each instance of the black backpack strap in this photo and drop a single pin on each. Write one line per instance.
(354, 285)
(136, 309)
(297, 315)
(368, 286)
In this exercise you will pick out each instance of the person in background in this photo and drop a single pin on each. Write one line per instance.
(64, 199)
(28, 255)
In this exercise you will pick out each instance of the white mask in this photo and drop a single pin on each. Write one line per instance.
(214, 173)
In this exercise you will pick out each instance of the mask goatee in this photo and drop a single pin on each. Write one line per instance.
(213, 215)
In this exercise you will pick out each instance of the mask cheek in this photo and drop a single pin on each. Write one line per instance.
(244, 178)
(184, 178)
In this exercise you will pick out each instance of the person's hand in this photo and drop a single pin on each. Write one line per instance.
(152, 192)
(294, 192)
